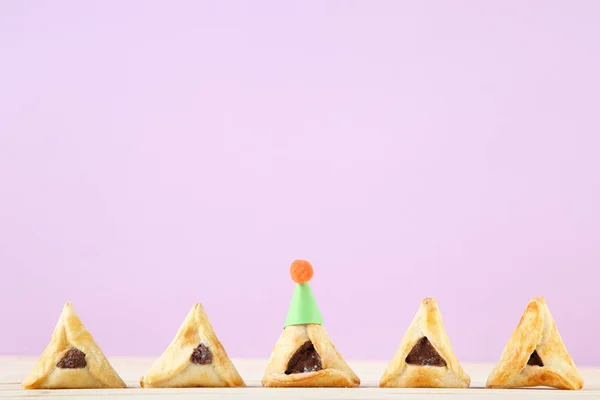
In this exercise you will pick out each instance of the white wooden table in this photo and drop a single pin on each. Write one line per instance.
(14, 369)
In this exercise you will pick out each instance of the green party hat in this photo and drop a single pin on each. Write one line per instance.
(303, 309)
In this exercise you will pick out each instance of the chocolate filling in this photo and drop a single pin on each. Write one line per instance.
(73, 359)
(423, 353)
(201, 355)
(534, 359)
(305, 359)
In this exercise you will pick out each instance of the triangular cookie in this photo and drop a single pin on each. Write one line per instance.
(304, 356)
(72, 360)
(535, 354)
(195, 358)
(425, 357)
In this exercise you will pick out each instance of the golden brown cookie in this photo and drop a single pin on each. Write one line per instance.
(425, 357)
(535, 354)
(72, 360)
(195, 358)
(304, 356)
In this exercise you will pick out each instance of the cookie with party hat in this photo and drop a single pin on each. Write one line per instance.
(304, 355)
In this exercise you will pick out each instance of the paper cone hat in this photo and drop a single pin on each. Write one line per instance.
(535, 354)
(72, 359)
(425, 357)
(195, 358)
(303, 309)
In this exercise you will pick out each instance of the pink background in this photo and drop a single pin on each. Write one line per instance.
(155, 154)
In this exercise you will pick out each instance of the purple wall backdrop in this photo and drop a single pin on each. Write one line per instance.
(153, 155)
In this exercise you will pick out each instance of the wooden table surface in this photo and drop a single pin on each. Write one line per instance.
(14, 369)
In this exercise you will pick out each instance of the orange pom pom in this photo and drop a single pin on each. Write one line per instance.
(301, 271)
